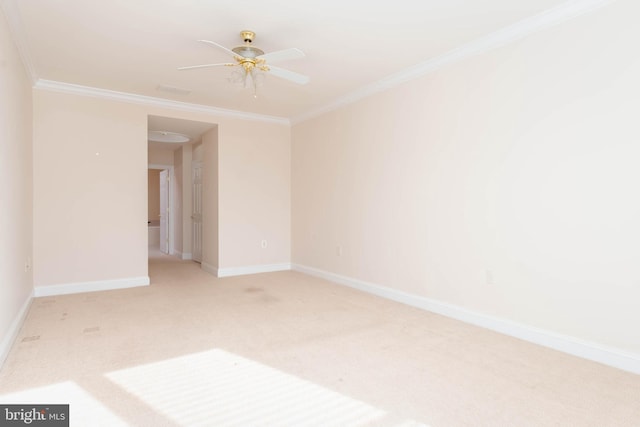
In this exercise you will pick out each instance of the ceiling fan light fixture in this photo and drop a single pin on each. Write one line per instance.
(253, 62)
(168, 137)
(248, 51)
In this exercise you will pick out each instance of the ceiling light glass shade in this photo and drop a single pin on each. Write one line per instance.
(243, 78)
(248, 51)
(170, 137)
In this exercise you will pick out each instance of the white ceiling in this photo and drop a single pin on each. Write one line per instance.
(134, 46)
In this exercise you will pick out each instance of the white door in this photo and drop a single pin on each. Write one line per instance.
(164, 211)
(196, 216)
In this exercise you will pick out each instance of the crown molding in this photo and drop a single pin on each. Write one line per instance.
(131, 98)
(551, 17)
(554, 16)
(12, 14)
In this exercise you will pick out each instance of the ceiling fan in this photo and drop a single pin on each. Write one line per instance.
(252, 60)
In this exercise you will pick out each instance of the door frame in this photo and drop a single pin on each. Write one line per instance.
(194, 164)
(172, 208)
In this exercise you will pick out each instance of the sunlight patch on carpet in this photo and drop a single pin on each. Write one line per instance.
(220, 388)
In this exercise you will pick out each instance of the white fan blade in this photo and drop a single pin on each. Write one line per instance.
(289, 75)
(227, 51)
(205, 65)
(282, 55)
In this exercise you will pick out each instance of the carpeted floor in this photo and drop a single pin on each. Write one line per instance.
(286, 349)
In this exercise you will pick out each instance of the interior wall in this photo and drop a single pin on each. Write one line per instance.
(184, 223)
(16, 221)
(160, 156)
(182, 200)
(208, 153)
(153, 194)
(90, 221)
(254, 193)
(505, 184)
(197, 151)
(90, 190)
(177, 201)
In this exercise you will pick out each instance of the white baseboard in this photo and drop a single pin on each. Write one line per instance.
(240, 271)
(252, 269)
(14, 329)
(577, 347)
(99, 285)
(212, 269)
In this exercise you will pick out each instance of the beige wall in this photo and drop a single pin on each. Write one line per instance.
(208, 154)
(90, 221)
(16, 284)
(505, 184)
(177, 199)
(197, 151)
(183, 229)
(254, 194)
(90, 190)
(161, 156)
(153, 194)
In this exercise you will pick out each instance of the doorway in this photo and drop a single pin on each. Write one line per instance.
(177, 146)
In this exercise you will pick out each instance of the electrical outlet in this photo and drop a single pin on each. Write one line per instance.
(263, 244)
(27, 265)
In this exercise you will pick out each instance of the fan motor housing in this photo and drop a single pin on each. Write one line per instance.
(247, 36)
(246, 50)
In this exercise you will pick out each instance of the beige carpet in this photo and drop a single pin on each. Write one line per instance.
(285, 349)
